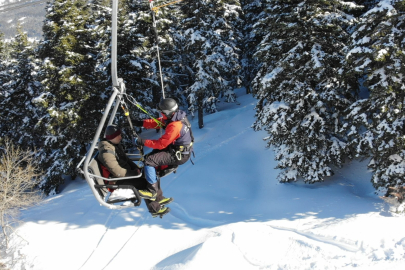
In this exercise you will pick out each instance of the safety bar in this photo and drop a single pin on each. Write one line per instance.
(138, 197)
(115, 179)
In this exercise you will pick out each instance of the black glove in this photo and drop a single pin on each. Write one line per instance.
(137, 123)
(138, 141)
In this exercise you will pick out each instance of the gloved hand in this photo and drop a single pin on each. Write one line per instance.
(138, 141)
(137, 123)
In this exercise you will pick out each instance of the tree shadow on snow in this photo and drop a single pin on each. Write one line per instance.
(219, 203)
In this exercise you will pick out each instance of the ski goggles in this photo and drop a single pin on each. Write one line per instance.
(168, 112)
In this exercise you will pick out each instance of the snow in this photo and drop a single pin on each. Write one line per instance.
(268, 78)
(136, 64)
(229, 213)
(382, 6)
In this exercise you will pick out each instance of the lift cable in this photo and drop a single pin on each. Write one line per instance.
(154, 13)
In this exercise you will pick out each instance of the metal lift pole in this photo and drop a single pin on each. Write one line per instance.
(119, 89)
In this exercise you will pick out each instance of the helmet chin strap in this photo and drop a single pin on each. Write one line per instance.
(170, 116)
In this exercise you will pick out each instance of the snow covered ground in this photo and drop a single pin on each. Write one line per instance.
(229, 213)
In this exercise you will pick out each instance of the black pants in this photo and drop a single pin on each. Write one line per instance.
(164, 157)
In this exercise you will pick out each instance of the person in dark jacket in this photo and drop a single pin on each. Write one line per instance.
(113, 157)
(173, 148)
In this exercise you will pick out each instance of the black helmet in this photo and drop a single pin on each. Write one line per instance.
(168, 106)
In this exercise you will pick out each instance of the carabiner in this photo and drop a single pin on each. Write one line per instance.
(178, 155)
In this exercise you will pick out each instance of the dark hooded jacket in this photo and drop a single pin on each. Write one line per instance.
(114, 158)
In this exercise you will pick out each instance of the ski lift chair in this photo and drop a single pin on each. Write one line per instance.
(104, 188)
(91, 167)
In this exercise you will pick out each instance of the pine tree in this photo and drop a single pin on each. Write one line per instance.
(211, 41)
(168, 28)
(377, 125)
(3, 60)
(18, 107)
(99, 25)
(4, 79)
(136, 63)
(367, 4)
(2, 46)
(68, 67)
(253, 12)
(301, 97)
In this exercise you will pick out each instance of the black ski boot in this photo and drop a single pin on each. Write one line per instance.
(150, 192)
(165, 201)
(163, 211)
(170, 169)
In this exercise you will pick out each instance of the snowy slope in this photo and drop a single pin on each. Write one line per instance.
(229, 213)
(29, 16)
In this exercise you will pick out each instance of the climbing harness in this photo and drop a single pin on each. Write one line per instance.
(180, 150)
(183, 150)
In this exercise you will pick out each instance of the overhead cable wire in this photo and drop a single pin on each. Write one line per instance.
(154, 13)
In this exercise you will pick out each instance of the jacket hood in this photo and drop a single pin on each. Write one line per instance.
(178, 116)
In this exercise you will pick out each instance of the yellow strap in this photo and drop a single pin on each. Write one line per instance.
(160, 124)
(134, 102)
(126, 112)
(156, 9)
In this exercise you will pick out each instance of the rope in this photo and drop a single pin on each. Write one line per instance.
(135, 103)
(157, 47)
(156, 9)
(134, 134)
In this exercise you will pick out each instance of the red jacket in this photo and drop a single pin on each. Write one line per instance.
(172, 133)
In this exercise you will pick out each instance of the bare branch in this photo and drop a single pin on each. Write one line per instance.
(19, 176)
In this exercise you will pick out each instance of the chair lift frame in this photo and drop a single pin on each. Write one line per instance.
(118, 92)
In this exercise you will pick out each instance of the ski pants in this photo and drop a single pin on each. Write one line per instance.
(158, 158)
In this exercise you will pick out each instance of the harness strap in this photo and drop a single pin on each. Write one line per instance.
(109, 151)
(180, 150)
(185, 149)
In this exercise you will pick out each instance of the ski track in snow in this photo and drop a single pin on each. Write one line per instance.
(107, 225)
(227, 115)
(208, 148)
(212, 148)
(123, 246)
(322, 239)
(180, 213)
(241, 252)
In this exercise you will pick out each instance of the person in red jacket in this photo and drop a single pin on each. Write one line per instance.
(173, 148)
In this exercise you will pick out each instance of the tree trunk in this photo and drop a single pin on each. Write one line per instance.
(156, 95)
(3, 226)
(200, 113)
